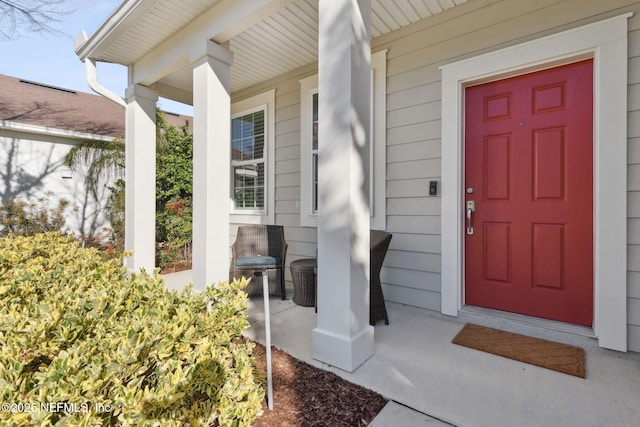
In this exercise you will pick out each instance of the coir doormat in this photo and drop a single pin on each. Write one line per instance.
(547, 354)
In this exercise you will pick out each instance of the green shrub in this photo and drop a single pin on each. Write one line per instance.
(114, 210)
(174, 194)
(175, 244)
(83, 343)
(17, 217)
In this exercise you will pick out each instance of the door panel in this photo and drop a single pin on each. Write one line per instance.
(497, 174)
(549, 163)
(529, 170)
(497, 245)
(548, 255)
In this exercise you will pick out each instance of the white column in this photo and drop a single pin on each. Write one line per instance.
(343, 336)
(211, 163)
(140, 192)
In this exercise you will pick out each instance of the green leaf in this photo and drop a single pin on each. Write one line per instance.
(159, 357)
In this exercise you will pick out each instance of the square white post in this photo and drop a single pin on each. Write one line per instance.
(211, 162)
(343, 336)
(140, 177)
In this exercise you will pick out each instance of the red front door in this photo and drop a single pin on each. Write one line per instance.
(529, 172)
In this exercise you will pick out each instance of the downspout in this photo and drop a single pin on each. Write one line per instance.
(92, 74)
(92, 80)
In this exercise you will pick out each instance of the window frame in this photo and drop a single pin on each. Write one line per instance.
(308, 88)
(262, 102)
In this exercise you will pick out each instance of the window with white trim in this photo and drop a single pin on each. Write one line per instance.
(247, 161)
(252, 159)
(314, 151)
(309, 145)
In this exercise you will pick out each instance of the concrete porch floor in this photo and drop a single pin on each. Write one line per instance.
(431, 382)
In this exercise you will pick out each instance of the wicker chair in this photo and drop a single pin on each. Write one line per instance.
(253, 242)
(379, 244)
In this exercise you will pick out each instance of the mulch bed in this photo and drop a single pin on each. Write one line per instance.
(305, 396)
(176, 267)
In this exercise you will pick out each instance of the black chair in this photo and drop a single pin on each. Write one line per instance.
(379, 244)
(259, 248)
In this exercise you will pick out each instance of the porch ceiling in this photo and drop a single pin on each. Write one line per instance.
(276, 43)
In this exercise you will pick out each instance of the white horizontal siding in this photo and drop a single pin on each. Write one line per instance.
(287, 166)
(427, 243)
(414, 150)
(286, 140)
(408, 187)
(633, 306)
(419, 261)
(287, 193)
(412, 267)
(414, 114)
(417, 224)
(411, 279)
(289, 152)
(633, 187)
(429, 300)
(287, 180)
(413, 206)
(301, 241)
(414, 133)
(428, 92)
(413, 169)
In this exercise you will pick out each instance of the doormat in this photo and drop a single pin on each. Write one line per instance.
(546, 354)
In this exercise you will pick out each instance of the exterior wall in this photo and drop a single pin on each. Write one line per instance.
(414, 97)
(34, 163)
(633, 207)
(412, 267)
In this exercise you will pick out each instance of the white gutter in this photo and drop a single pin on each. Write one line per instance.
(92, 74)
(128, 11)
(51, 131)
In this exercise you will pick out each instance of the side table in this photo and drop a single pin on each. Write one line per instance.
(304, 281)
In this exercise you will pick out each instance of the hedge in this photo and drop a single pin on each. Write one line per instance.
(84, 343)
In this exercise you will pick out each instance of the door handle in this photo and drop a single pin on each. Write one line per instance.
(471, 208)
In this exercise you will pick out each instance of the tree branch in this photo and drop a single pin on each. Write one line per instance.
(18, 18)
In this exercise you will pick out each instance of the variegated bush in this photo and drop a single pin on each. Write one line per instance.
(84, 343)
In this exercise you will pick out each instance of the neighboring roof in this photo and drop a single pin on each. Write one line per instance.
(179, 120)
(38, 104)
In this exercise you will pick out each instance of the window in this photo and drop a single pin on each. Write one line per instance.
(314, 151)
(309, 145)
(252, 159)
(247, 161)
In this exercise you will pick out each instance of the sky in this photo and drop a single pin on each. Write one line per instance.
(49, 58)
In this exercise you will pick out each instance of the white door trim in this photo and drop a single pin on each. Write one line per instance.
(606, 42)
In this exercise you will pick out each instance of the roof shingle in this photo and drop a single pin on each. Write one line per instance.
(39, 104)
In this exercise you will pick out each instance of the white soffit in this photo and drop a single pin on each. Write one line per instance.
(151, 26)
(282, 42)
(289, 39)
